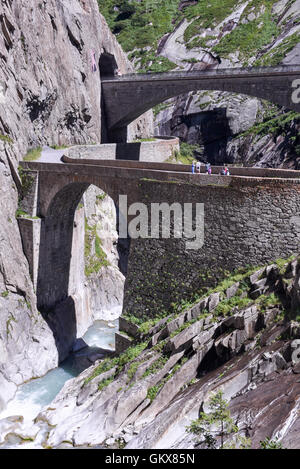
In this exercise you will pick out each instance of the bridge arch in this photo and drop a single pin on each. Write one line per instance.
(60, 269)
(128, 97)
(56, 246)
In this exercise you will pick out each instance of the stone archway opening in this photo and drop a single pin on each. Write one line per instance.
(105, 260)
(82, 263)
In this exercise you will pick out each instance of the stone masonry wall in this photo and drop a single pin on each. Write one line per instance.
(158, 150)
(249, 222)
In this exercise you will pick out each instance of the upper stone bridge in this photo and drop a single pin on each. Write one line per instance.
(128, 97)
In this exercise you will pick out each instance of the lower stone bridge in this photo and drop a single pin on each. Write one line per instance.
(250, 218)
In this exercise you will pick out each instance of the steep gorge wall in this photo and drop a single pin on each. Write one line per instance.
(48, 95)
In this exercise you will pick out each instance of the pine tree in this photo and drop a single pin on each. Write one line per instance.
(216, 424)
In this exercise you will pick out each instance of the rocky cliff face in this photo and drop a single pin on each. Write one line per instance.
(50, 93)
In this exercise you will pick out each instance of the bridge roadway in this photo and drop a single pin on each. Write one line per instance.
(128, 97)
(59, 175)
(58, 161)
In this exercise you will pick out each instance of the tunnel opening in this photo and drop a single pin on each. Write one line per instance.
(107, 68)
(107, 65)
(82, 263)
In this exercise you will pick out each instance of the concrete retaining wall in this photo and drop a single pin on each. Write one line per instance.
(158, 150)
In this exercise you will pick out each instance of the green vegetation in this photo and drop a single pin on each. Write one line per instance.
(140, 140)
(95, 257)
(21, 213)
(248, 38)
(186, 154)
(132, 370)
(215, 424)
(152, 392)
(100, 197)
(161, 107)
(6, 139)
(119, 362)
(156, 366)
(5, 294)
(139, 26)
(33, 155)
(256, 6)
(276, 55)
(105, 383)
(274, 124)
(148, 61)
(27, 181)
(59, 147)
(210, 13)
(211, 429)
(267, 301)
(187, 324)
(270, 444)
(9, 325)
(207, 14)
(144, 323)
(226, 306)
(282, 263)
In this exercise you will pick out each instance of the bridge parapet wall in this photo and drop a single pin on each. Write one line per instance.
(182, 168)
(250, 222)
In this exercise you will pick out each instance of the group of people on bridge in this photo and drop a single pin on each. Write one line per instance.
(196, 168)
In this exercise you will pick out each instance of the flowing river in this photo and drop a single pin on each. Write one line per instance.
(31, 397)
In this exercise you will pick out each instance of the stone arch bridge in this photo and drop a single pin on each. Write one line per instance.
(250, 218)
(129, 96)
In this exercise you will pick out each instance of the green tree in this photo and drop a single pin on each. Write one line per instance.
(270, 444)
(214, 425)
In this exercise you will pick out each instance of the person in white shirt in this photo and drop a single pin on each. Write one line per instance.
(198, 167)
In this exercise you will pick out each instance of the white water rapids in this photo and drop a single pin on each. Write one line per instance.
(33, 396)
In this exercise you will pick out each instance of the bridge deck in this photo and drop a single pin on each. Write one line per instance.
(246, 72)
(55, 162)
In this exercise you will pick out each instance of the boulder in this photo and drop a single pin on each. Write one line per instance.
(213, 301)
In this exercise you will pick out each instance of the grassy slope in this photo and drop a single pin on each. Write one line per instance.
(139, 26)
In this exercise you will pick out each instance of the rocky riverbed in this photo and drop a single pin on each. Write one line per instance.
(17, 426)
(239, 339)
